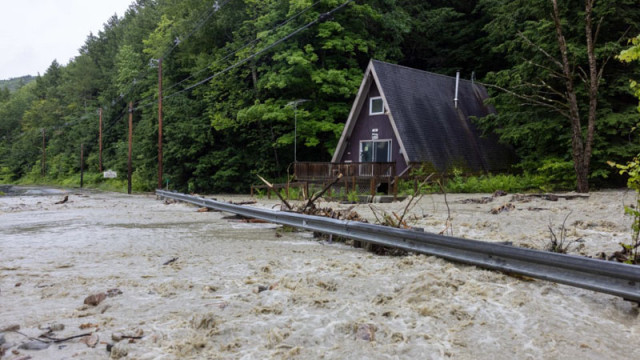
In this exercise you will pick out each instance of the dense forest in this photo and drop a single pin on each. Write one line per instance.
(231, 69)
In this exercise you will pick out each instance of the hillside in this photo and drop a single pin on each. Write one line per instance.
(14, 84)
(230, 72)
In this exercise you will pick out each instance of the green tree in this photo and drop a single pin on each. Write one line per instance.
(553, 96)
(629, 55)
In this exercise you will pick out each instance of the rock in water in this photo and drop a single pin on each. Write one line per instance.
(95, 299)
(91, 341)
(56, 327)
(366, 332)
(34, 345)
(10, 327)
(119, 350)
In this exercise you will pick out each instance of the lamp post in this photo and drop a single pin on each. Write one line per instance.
(295, 126)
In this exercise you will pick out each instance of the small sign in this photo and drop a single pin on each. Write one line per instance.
(110, 174)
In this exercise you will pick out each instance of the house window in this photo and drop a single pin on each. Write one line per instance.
(375, 151)
(376, 106)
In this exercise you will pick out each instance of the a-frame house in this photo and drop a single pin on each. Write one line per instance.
(404, 118)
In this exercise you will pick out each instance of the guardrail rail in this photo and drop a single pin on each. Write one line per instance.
(598, 275)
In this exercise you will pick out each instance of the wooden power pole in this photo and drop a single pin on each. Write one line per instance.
(130, 147)
(81, 165)
(160, 123)
(100, 141)
(44, 155)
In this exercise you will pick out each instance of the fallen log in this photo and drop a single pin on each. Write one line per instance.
(66, 198)
(554, 197)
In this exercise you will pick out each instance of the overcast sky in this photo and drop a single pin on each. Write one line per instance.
(35, 32)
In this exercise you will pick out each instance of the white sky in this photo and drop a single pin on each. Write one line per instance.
(35, 32)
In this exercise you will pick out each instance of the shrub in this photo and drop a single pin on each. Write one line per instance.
(632, 169)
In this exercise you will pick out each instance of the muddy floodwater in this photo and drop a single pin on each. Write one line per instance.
(183, 284)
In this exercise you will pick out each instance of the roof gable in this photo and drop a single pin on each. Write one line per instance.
(430, 128)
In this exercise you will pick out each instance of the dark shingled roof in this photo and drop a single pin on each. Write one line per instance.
(431, 128)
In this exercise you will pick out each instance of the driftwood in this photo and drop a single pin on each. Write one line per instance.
(406, 208)
(66, 198)
(248, 202)
(270, 186)
(315, 197)
(503, 208)
(51, 339)
(546, 196)
(56, 340)
(395, 220)
(170, 261)
(626, 255)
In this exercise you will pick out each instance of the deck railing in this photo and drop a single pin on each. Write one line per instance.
(314, 171)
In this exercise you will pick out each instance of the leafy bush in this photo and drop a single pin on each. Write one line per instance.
(353, 197)
(490, 183)
(632, 169)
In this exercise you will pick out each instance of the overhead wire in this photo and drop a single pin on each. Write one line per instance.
(233, 52)
(215, 7)
(320, 18)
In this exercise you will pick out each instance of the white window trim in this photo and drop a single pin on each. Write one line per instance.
(371, 99)
(389, 151)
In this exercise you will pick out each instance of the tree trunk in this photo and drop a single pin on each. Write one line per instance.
(594, 82)
(580, 146)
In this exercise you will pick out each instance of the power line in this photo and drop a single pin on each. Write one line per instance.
(233, 52)
(320, 18)
(215, 7)
(141, 73)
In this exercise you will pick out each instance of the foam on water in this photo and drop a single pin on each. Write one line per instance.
(322, 300)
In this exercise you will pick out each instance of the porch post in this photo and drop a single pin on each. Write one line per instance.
(373, 186)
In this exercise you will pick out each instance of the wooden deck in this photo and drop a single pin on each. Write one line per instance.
(323, 171)
(361, 178)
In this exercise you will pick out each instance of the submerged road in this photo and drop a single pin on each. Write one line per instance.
(242, 290)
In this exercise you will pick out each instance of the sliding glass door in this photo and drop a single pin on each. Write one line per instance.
(373, 151)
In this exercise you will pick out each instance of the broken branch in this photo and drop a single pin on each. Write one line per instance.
(319, 194)
(270, 186)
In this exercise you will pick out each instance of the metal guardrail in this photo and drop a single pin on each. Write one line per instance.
(603, 276)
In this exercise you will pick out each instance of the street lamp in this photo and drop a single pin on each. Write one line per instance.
(295, 128)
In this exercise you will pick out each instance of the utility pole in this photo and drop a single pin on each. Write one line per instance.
(100, 140)
(81, 165)
(160, 123)
(130, 147)
(295, 126)
(44, 155)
